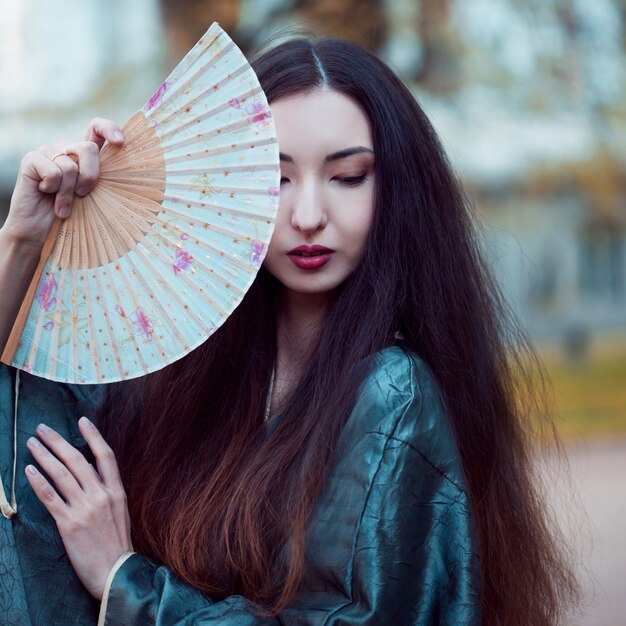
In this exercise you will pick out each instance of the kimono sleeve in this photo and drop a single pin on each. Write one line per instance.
(415, 559)
(143, 593)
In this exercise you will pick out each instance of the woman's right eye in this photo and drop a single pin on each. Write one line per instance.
(284, 179)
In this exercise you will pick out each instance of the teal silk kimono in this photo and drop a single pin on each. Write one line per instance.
(390, 541)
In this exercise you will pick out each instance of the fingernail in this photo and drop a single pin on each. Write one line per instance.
(83, 191)
(86, 420)
(117, 135)
(42, 428)
(32, 470)
(64, 211)
(33, 443)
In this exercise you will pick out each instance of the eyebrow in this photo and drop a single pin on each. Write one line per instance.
(335, 156)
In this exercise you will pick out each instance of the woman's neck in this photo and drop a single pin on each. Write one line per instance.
(299, 320)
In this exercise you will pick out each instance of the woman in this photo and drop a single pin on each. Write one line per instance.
(347, 449)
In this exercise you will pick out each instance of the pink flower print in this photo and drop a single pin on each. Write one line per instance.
(140, 324)
(258, 115)
(274, 194)
(46, 294)
(156, 97)
(182, 260)
(256, 252)
(184, 237)
(48, 326)
(234, 103)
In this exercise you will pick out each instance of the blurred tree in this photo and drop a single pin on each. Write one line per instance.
(185, 21)
(441, 70)
(403, 48)
(362, 21)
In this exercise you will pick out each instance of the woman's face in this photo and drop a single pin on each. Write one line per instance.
(326, 191)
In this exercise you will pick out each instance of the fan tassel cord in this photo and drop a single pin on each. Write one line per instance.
(9, 510)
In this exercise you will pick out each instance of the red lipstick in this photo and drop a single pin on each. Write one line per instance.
(310, 257)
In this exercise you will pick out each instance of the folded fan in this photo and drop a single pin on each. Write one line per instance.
(158, 255)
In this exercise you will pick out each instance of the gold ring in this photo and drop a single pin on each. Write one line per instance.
(58, 154)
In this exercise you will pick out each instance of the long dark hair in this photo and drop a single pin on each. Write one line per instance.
(223, 503)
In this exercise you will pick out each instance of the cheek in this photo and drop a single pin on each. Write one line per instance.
(359, 222)
(272, 251)
(280, 227)
(269, 262)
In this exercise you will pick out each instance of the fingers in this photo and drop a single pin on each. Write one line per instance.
(68, 169)
(45, 172)
(101, 130)
(105, 458)
(63, 170)
(44, 491)
(52, 176)
(82, 177)
(87, 156)
(59, 175)
(79, 164)
(63, 479)
(66, 460)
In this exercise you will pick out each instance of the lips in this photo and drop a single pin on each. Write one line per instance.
(310, 257)
(310, 250)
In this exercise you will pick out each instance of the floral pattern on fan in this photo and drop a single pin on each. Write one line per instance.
(256, 254)
(182, 261)
(139, 323)
(46, 294)
(156, 97)
(69, 323)
(257, 111)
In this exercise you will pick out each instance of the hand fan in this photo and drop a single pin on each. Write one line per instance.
(157, 256)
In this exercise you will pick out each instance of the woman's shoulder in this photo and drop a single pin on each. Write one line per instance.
(401, 401)
(399, 380)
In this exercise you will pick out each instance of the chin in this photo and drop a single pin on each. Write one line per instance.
(311, 287)
(312, 290)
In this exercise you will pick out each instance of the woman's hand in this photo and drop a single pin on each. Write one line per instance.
(49, 178)
(90, 507)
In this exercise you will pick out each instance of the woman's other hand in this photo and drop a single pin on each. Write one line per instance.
(49, 178)
(88, 506)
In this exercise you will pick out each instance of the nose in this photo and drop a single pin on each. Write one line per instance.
(308, 213)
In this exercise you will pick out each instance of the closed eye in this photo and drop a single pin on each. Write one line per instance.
(352, 181)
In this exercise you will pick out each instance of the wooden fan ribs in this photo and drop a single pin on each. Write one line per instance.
(102, 229)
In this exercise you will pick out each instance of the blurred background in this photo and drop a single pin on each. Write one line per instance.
(529, 99)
